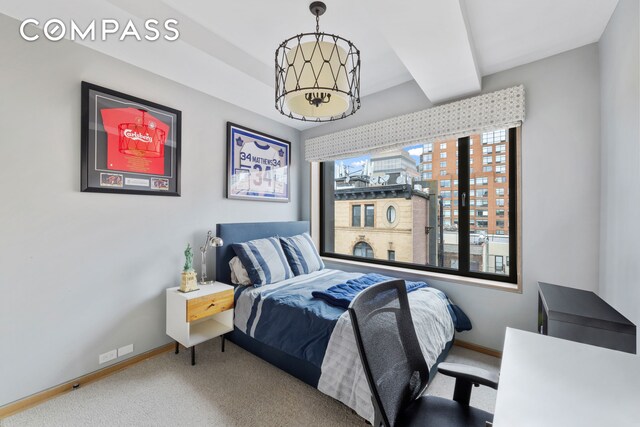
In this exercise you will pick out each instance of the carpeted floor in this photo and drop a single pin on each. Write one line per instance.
(234, 388)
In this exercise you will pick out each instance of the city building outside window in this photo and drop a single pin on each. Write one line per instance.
(434, 226)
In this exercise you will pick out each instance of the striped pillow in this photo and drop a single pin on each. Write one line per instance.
(264, 261)
(302, 254)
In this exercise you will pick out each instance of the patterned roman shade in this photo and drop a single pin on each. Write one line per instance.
(499, 109)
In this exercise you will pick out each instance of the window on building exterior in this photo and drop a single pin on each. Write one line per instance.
(369, 214)
(391, 214)
(459, 222)
(363, 249)
(356, 220)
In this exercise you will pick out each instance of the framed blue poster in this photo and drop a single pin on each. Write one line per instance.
(257, 165)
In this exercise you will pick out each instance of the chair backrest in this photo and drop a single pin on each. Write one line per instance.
(389, 348)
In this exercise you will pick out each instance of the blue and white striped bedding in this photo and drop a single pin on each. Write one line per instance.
(302, 254)
(264, 260)
(285, 316)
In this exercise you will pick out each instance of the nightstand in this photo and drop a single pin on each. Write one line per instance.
(198, 316)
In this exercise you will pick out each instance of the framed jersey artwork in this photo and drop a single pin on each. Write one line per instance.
(257, 165)
(129, 145)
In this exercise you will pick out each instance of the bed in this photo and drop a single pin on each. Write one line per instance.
(312, 340)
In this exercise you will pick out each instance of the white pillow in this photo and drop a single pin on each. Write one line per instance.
(239, 275)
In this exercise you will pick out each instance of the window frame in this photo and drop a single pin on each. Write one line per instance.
(463, 272)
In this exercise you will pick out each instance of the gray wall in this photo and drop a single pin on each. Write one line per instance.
(84, 273)
(620, 161)
(560, 184)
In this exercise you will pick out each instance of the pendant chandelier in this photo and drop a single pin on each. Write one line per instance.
(317, 75)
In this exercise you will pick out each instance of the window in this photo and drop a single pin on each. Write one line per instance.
(391, 214)
(369, 211)
(501, 169)
(501, 148)
(356, 216)
(487, 160)
(443, 155)
(499, 266)
(487, 168)
(501, 159)
(363, 249)
(443, 164)
(494, 137)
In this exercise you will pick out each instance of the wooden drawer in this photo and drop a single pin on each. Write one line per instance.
(208, 305)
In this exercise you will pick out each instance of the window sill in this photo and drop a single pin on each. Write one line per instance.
(410, 273)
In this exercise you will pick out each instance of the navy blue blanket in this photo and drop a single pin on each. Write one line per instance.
(342, 294)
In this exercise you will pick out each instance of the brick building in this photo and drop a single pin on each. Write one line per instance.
(489, 180)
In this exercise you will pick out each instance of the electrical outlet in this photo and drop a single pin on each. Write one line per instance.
(125, 350)
(109, 355)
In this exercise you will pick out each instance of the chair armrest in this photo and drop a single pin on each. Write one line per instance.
(469, 373)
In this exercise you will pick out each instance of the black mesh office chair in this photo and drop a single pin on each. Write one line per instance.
(396, 370)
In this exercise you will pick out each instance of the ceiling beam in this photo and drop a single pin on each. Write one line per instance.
(433, 42)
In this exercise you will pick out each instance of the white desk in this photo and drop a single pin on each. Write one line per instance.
(546, 381)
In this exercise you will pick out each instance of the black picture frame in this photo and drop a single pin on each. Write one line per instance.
(129, 145)
(258, 165)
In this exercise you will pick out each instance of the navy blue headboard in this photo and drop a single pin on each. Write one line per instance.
(243, 232)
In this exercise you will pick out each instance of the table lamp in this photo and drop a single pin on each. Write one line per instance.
(215, 242)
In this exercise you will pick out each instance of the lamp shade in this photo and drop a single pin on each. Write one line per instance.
(317, 73)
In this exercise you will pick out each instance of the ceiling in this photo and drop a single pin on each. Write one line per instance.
(227, 49)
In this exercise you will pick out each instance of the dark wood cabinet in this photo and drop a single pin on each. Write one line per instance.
(582, 316)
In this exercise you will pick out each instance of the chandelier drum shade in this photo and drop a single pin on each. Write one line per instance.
(317, 75)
